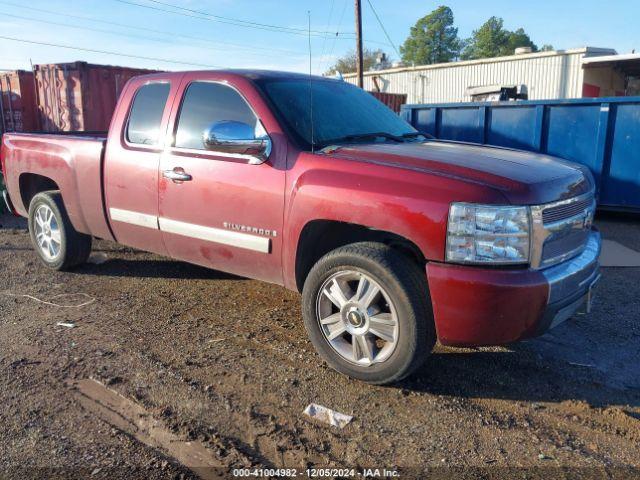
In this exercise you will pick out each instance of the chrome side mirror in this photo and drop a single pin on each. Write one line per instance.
(238, 138)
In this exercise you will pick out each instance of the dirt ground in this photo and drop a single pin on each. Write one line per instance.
(205, 359)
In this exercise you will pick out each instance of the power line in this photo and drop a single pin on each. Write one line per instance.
(333, 46)
(136, 27)
(107, 52)
(110, 32)
(304, 31)
(324, 39)
(88, 18)
(238, 23)
(383, 29)
(243, 23)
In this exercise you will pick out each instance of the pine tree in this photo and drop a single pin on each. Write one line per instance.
(433, 39)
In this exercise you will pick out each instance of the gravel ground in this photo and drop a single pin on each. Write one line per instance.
(224, 362)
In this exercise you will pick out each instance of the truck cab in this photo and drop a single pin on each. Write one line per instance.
(394, 239)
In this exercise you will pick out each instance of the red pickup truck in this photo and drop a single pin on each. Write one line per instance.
(394, 239)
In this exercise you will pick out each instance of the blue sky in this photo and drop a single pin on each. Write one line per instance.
(202, 43)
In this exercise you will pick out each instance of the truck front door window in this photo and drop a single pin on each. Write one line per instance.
(204, 104)
(146, 114)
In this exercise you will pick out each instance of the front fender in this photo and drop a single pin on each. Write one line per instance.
(407, 203)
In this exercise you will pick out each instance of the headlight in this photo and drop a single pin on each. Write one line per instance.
(487, 234)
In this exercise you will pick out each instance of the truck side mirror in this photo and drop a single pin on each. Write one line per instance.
(238, 138)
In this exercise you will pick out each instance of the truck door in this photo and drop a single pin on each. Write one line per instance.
(218, 209)
(132, 158)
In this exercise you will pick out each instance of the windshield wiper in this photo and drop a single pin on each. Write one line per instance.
(416, 135)
(364, 136)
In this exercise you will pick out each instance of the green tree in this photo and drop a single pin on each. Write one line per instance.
(517, 39)
(347, 63)
(433, 39)
(488, 41)
(493, 40)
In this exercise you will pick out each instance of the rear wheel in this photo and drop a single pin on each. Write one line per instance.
(367, 312)
(58, 245)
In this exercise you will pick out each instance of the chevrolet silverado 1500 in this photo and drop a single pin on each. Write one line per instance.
(394, 239)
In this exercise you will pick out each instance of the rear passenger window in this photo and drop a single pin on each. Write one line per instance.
(146, 114)
(204, 104)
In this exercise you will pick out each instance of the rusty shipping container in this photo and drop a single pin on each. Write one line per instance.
(392, 100)
(18, 111)
(79, 96)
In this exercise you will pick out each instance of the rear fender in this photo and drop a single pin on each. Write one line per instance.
(74, 165)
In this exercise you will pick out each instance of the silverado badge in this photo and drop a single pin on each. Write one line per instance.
(247, 229)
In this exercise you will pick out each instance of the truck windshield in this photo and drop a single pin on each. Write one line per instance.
(341, 112)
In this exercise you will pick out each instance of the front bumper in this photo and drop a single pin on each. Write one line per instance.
(476, 306)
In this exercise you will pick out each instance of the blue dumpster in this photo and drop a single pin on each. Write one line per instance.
(601, 133)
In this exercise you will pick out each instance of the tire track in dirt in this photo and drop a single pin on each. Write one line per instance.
(134, 420)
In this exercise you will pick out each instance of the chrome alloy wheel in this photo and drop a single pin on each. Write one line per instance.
(47, 232)
(357, 318)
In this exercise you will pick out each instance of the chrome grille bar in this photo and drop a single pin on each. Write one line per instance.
(565, 210)
(560, 229)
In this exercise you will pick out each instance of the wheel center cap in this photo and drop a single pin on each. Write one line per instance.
(355, 318)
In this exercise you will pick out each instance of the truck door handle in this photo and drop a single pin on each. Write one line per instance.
(177, 175)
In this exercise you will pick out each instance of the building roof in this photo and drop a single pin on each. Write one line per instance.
(587, 51)
(629, 63)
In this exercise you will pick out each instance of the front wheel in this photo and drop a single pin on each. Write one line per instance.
(58, 245)
(367, 311)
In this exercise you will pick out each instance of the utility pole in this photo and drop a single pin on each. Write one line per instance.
(359, 60)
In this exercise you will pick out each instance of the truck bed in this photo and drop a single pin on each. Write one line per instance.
(70, 162)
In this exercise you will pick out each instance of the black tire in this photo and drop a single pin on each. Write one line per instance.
(404, 281)
(75, 247)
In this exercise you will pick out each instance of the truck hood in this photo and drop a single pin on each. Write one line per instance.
(524, 178)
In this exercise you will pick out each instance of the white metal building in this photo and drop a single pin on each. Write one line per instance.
(546, 75)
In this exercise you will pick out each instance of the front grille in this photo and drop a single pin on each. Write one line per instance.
(567, 210)
(558, 248)
(561, 230)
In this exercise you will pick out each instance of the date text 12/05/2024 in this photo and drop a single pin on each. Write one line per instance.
(316, 473)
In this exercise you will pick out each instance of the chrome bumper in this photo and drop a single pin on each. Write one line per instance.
(570, 283)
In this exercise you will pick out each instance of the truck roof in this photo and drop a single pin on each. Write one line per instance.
(252, 74)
